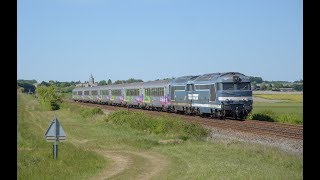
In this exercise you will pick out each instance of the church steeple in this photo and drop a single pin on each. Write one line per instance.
(91, 80)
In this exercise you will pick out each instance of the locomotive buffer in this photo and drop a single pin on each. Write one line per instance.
(55, 133)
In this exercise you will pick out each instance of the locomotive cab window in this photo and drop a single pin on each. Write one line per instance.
(234, 86)
(243, 86)
(228, 86)
(190, 87)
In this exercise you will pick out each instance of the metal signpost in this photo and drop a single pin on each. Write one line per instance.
(55, 133)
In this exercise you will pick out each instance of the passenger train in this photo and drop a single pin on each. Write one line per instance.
(215, 95)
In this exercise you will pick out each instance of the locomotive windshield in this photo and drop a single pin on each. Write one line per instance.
(234, 86)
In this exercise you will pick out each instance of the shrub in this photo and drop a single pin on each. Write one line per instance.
(48, 98)
(262, 116)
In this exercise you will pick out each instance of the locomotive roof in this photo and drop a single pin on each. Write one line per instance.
(215, 76)
(183, 79)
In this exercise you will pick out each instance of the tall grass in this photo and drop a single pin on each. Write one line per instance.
(89, 112)
(156, 125)
(266, 115)
(35, 160)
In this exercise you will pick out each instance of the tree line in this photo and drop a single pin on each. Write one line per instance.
(28, 86)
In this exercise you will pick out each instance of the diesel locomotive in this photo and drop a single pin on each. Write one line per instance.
(216, 95)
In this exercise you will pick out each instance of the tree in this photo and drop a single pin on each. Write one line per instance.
(101, 83)
(263, 86)
(48, 98)
(109, 82)
(43, 83)
(298, 87)
(27, 87)
(132, 80)
(256, 79)
(300, 81)
(118, 82)
(278, 85)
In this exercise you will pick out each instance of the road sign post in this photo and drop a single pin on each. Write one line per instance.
(55, 133)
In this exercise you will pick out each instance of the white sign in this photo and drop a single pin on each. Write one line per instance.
(55, 132)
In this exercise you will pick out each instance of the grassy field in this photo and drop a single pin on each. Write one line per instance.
(292, 98)
(290, 110)
(99, 144)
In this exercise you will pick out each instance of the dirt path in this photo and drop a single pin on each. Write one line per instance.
(120, 162)
(123, 161)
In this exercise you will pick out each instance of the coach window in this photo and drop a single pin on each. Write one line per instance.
(172, 92)
(86, 92)
(94, 92)
(79, 92)
(105, 92)
(116, 92)
(147, 91)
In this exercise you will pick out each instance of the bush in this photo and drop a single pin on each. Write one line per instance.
(48, 98)
(156, 125)
(263, 116)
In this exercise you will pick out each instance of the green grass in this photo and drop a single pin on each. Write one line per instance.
(229, 160)
(290, 110)
(35, 160)
(286, 97)
(285, 112)
(193, 158)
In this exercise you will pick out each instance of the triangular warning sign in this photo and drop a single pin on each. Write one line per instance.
(55, 132)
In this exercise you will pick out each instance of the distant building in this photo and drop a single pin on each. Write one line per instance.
(90, 83)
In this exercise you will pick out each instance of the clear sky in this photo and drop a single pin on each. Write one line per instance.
(67, 40)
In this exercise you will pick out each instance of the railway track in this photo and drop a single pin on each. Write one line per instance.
(262, 128)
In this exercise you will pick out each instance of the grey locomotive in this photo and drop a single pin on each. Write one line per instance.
(216, 95)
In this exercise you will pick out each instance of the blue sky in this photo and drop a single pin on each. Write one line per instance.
(67, 40)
